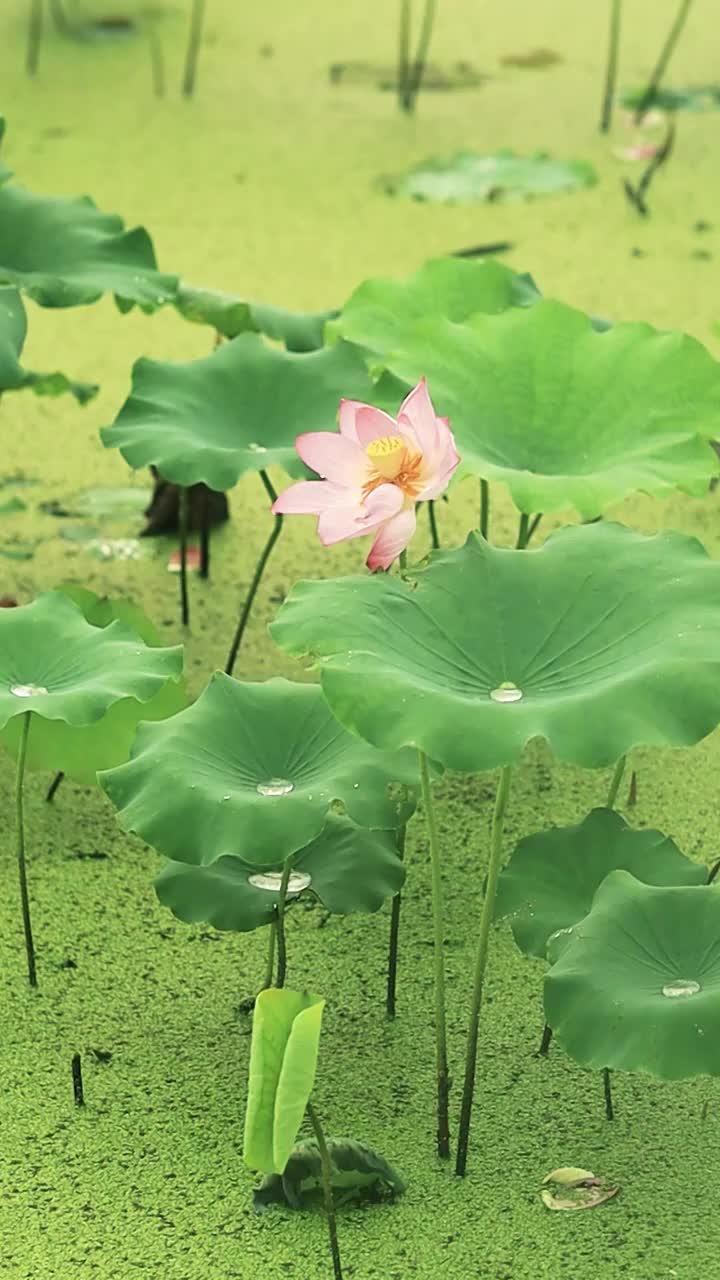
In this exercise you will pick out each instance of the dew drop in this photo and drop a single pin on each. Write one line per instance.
(681, 987)
(226, 797)
(27, 690)
(275, 787)
(254, 447)
(506, 692)
(270, 881)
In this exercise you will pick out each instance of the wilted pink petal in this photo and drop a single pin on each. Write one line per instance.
(394, 536)
(639, 151)
(375, 469)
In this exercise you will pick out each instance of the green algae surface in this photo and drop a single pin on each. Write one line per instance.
(264, 185)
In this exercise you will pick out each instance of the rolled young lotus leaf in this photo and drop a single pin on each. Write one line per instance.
(237, 410)
(346, 867)
(283, 1061)
(637, 984)
(382, 313)
(57, 665)
(599, 640)
(551, 879)
(565, 415)
(80, 751)
(253, 770)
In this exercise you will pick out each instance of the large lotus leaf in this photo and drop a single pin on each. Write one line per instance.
(230, 316)
(551, 879)
(564, 414)
(13, 330)
(467, 176)
(57, 665)
(381, 312)
(253, 770)
(283, 1060)
(638, 986)
(80, 751)
(65, 253)
(239, 409)
(597, 641)
(349, 868)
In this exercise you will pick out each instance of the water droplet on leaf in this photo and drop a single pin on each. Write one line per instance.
(275, 787)
(270, 881)
(681, 987)
(506, 692)
(27, 690)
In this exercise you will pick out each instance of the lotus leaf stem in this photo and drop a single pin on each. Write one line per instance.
(326, 1166)
(204, 533)
(607, 1091)
(612, 65)
(443, 1078)
(390, 1006)
(486, 919)
(615, 782)
(533, 526)
(523, 532)
(666, 52)
(50, 793)
(22, 870)
(403, 67)
(270, 967)
(77, 1079)
(257, 577)
(484, 508)
(197, 18)
(280, 925)
(547, 1036)
(35, 32)
(432, 517)
(157, 60)
(183, 521)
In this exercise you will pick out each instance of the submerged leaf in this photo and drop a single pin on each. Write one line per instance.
(467, 176)
(568, 1176)
(357, 1173)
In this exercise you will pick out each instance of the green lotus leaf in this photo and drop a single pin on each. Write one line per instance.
(230, 316)
(283, 1061)
(380, 313)
(66, 253)
(80, 751)
(347, 867)
(467, 176)
(239, 409)
(13, 330)
(57, 665)
(599, 640)
(253, 770)
(638, 986)
(564, 414)
(551, 879)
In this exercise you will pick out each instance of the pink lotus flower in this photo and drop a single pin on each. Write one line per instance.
(374, 471)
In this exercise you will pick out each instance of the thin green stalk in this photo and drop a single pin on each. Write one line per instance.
(443, 1078)
(35, 31)
(390, 1005)
(57, 13)
(533, 526)
(666, 52)
(183, 522)
(432, 517)
(403, 71)
(280, 925)
(484, 508)
(326, 1166)
(204, 512)
(486, 919)
(197, 18)
(418, 69)
(22, 870)
(270, 966)
(257, 578)
(523, 531)
(615, 782)
(157, 60)
(612, 65)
